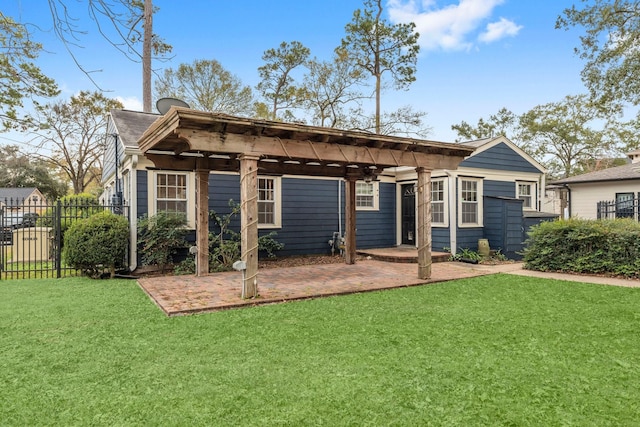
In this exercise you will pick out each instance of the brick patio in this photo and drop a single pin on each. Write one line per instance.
(179, 295)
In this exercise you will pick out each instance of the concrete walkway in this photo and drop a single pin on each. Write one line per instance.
(179, 295)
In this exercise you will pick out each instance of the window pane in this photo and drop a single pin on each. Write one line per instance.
(469, 191)
(525, 192)
(437, 212)
(364, 195)
(171, 193)
(266, 201)
(437, 191)
(469, 213)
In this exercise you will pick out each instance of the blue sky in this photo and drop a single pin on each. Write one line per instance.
(476, 57)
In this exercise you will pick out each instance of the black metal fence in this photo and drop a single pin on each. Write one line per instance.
(32, 235)
(619, 209)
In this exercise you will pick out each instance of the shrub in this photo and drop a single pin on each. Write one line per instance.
(160, 237)
(96, 243)
(585, 246)
(72, 209)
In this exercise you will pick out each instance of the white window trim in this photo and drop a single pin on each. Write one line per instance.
(191, 194)
(277, 186)
(445, 190)
(376, 198)
(480, 222)
(534, 194)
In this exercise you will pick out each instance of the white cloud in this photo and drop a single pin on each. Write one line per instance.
(452, 27)
(498, 30)
(131, 103)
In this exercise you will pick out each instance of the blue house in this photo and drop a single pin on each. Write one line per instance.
(488, 196)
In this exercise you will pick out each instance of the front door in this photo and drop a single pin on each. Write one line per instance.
(408, 214)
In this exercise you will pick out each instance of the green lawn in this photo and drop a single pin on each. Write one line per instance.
(494, 350)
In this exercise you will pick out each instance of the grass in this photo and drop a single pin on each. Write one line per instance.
(29, 270)
(493, 350)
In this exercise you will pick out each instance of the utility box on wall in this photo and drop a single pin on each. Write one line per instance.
(31, 244)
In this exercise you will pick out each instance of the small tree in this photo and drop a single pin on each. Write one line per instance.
(97, 243)
(224, 246)
(160, 237)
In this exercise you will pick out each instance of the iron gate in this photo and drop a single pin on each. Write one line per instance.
(32, 235)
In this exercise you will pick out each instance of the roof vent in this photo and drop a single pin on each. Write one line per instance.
(163, 104)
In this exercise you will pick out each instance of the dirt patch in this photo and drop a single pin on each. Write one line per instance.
(296, 261)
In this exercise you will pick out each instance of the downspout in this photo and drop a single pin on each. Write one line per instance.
(568, 213)
(340, 207)
(133, 214)
(453, 209)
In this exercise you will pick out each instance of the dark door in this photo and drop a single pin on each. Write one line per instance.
(408, 214)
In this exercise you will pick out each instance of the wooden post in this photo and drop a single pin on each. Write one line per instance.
(350, 220)
(249, 223)
(424, 223)
(202, 222)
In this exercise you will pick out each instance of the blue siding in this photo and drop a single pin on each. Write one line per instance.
(440, 239)
(499, 188)
(223, 188)
(375, 229)
(142, 193)
(468, 238)
(310, 214)
(500, 157)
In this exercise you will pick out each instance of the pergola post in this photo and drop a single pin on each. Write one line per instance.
(424, 223)
(202, 221)
(249, 223)
(350, 220)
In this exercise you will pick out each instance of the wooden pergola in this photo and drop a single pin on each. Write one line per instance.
(190, 140)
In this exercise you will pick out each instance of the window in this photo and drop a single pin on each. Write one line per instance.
(437, 202)
(470, 197)
(268, 202)
(366, 195)
(526, 194)
(171, 192)
(624, 205)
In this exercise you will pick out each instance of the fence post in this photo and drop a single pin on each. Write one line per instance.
(58, 239)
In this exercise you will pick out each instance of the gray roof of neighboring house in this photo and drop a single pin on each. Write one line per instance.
(16, 193)
(478, 142)
(130, 125)
(626, 172)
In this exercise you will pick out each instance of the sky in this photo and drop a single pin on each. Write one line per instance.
(476, 57)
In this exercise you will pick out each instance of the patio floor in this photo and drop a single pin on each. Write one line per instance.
(179, 295)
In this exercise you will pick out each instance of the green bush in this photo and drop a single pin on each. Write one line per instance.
(97, 243)
(160, 236)
(585, 246)
(72, 209)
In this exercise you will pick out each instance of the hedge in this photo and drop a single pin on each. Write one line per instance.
(610, 247)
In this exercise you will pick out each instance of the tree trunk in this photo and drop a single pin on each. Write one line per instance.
(146, 56)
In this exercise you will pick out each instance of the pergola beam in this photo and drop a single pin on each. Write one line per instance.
(294, 150)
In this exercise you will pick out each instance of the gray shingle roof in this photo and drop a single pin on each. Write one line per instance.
(16, 193)
(130, 125)
(629, 171)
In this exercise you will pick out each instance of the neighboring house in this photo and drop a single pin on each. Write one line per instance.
(619, 186)
(490, 195)
(21, 199)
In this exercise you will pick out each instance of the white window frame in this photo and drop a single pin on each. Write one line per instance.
(531, 196)
(443, 202)
(277, 201)
(478, 202)
(152, 203)
(375, 201)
